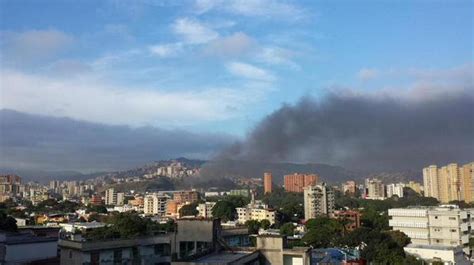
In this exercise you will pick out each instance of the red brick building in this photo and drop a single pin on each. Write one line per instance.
(296, 182)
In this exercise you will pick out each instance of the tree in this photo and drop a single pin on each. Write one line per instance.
(7, 223)
(287, 229)
(253, 226)
(265, 224)
(96, 209)
(224, 210)
(188, 210)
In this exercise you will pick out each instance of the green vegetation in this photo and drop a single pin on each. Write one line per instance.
(53, 206)
(96, 209)
(128, 225)
(287, 229)
(254, 225)
(188, 210)
(7, 223)
(225, 206)
(289, 204)
(224, 210)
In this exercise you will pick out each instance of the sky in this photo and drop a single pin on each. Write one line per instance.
(210, 68)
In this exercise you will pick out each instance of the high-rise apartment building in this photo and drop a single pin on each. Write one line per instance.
(187, 196)
(155, 204)
(114, 198)
(415, 186)
(449, 183)
(318, 201)
(349, 187)
(395, 189)
(375, 189)
(267, 182)
(435, 226)
(467, 182)
(297, 182)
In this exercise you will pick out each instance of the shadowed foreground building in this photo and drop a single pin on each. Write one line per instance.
(195, 241)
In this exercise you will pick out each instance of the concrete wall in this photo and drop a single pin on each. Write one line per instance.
(30, 252)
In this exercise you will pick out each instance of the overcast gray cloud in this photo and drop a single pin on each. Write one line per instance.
(362, 131)
(45, 143)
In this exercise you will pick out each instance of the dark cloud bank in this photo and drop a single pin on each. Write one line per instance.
(357, 132)
(47, 143)
(366, 132)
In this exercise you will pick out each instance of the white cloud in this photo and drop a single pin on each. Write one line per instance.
(236, 44)
(277, 56)
(166, 50)
(366, 74)
(193, 32)
(260, 8)
(92, 100)
(249, 71)
(34, 45)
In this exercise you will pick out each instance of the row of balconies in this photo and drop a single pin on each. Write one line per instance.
(395, 223)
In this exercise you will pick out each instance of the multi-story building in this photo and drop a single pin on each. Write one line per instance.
(155, 204)
(375, 189)
(395, 189)
(267, 182)
(450, 182)
(205, 209)
(351, 218)
(297, 182)
(255, 210)
(189, 196)
(349, 187)
(240, 192)
(114, 198)
(466, 182)
(318, 201)
(415, 186)
(9, 186)
(438, 226)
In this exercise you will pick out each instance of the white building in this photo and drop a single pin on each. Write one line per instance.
(205, 209)
(435, 226)
(256, 210)
(375, 189)
(24, 248)
(446, 255)
(114, 198)
(318, 201)
(155, 204)
(395, 189)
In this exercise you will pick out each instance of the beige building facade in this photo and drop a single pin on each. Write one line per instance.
(449, 183)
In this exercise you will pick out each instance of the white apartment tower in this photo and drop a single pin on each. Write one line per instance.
(434, 226)
(375, 189)
(318, 201)
(114, 198)
(395, 189)
(155, 204)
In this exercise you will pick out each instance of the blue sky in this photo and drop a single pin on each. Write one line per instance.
(219, 66)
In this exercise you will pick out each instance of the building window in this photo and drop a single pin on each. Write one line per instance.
(452, 218)
(118, 256)
(70, 254)
(453, 230)
(95, 258)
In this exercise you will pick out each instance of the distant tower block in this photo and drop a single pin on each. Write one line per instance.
(267, 182)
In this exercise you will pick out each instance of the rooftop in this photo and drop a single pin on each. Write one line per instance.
(223, 257)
